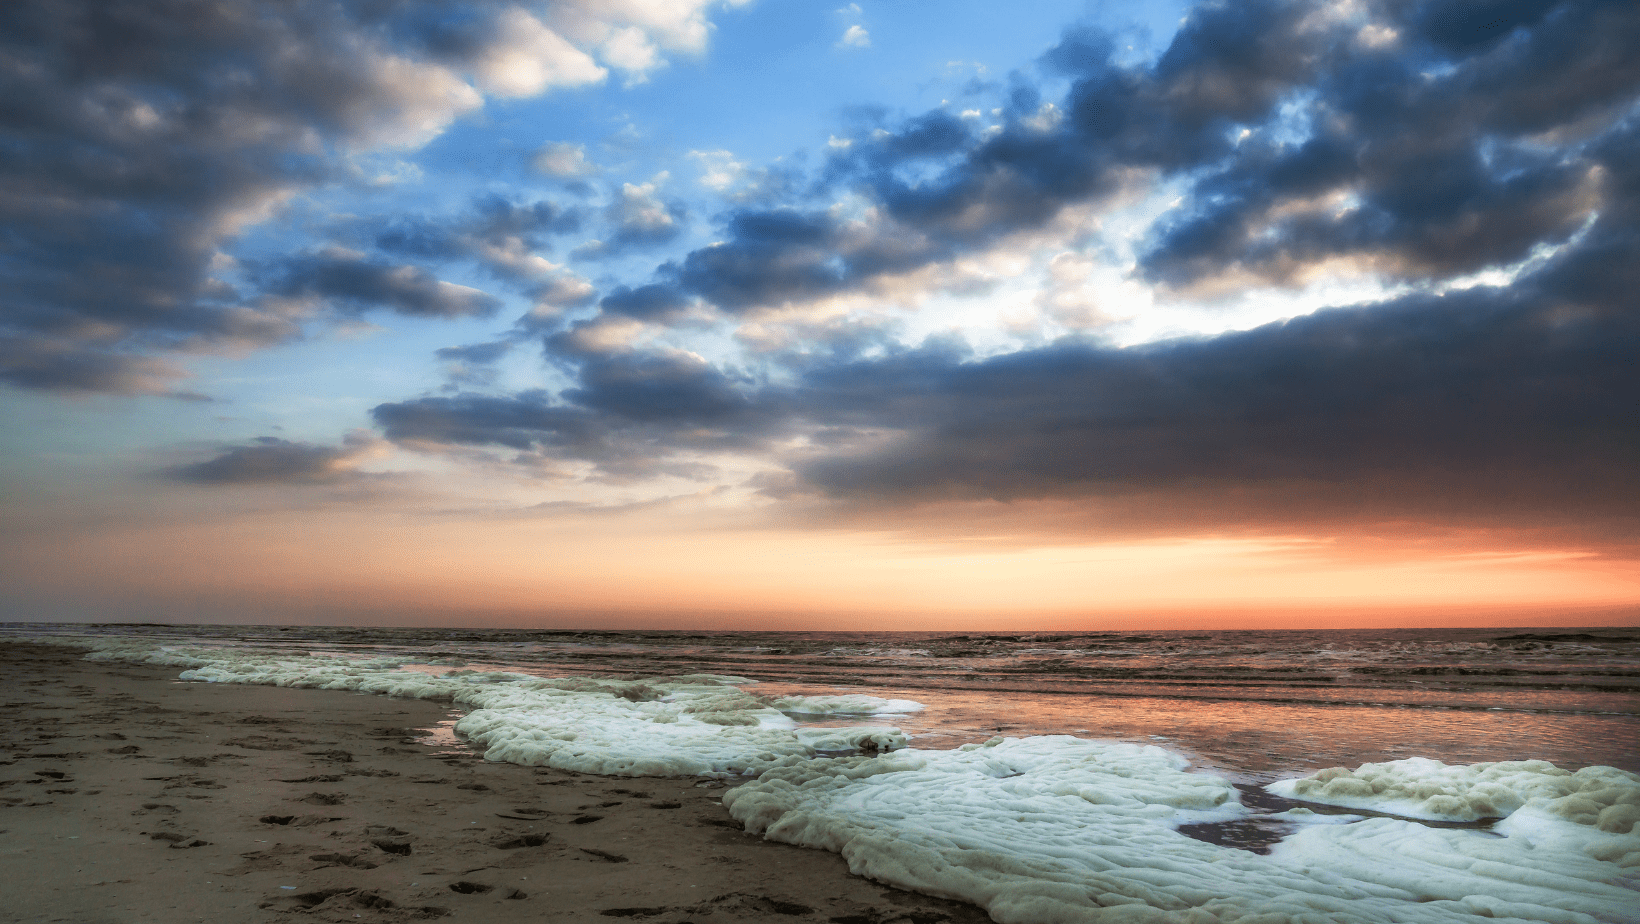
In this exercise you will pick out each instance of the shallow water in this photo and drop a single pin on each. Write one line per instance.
(1252, 705)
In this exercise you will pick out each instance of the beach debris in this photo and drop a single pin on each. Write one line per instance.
(178, 841)
(604, 855)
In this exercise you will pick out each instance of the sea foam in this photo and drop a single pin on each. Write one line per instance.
(1059, 829)
(694, 725)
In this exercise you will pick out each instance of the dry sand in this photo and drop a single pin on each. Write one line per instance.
(128, 796)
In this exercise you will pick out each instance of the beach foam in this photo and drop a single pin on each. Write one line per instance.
(848, 704)
(698, 725)
(1059, 829)
(1422, 788)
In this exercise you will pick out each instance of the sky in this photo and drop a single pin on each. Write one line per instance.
(791, 315)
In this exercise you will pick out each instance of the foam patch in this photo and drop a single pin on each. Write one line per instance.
(1422, 788)
(699, 725)
(848, 704)
(1059, 829)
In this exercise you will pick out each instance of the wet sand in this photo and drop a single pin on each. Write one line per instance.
(127, 796)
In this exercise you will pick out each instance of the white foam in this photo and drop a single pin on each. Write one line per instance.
(847, 704)
(1422, 788)
(1059, 829)
(685, 726)
(872, 739)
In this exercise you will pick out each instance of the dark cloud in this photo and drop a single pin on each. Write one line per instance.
(522, 421)
(1486, 408)
(646, 303)
(497, 232)
(356, 283)
(1477, 406)
(770, 257)
(45, 363)
(137, 138)
(631, 414)
(475, 352)
(678, 390)
(1425, 163)
(270, 460)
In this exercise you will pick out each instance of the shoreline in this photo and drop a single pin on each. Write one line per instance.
(129, 796)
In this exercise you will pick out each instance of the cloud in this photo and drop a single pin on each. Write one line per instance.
(564, 160)
(141, 140)
(646, 303)
(524, 57)
(350, 280)
(855, 36)
(1422, 165)
(270, 460)
(505, 236)
(1303, 151)
(472, 365)
(632, 414)
(475, 352)
(48, 363)
(1504, 408)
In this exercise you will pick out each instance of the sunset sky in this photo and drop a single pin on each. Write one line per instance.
(778, 314)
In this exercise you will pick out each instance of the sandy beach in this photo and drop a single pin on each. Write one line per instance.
(128, 796)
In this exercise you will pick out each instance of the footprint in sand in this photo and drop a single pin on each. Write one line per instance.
(178, 841)
(470, 888)
(504, 842)
(604, 855)
(397, 848)
(341, 859)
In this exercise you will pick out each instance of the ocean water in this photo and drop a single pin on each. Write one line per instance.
(1049, 776)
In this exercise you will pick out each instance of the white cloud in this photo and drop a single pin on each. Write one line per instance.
(528, 58)
(631, 50)
(719, 169)
(640, 210)
(563, 159)
(855, 37)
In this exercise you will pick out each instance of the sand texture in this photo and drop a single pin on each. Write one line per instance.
(126, 796)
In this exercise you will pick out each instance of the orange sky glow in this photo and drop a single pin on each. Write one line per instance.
(637, 572)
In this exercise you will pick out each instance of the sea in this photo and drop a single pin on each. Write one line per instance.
(1253, 706)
